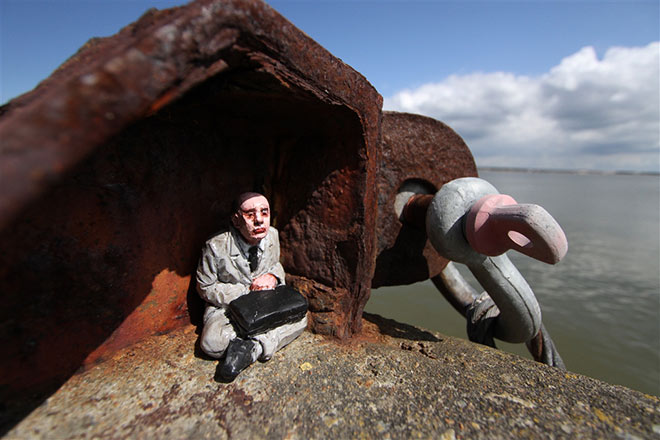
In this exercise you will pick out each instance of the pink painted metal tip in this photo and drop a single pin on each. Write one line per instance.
(496, 223)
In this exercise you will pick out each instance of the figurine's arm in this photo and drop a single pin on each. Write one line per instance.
(274, 275)
(209, 284)
(276, 267)
(272, 278)
(278, 271)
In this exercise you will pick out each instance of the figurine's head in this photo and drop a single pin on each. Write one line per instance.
(251, 217)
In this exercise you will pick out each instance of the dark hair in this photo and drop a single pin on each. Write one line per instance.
(236, 202)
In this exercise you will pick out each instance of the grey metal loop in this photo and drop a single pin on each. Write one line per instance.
(520, 314)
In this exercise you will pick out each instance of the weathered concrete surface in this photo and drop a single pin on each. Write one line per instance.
(394, 381)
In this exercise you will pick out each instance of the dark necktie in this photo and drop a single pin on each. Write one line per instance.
(253, 258)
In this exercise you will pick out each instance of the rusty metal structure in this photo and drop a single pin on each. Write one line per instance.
(116, 168)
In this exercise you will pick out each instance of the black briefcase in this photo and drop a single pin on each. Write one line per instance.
(263, 310)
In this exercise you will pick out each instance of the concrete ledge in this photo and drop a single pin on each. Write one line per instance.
(395, 381)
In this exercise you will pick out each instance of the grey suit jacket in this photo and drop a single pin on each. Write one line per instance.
(223, 273)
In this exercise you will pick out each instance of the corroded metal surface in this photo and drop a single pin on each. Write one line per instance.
(116, 168)
(427, 152)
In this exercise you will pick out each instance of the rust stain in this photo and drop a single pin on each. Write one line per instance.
(157, 313)
(162, 101)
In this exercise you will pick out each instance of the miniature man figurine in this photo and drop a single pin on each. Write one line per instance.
(235, 262)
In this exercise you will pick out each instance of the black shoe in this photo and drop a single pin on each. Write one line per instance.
(238, 358)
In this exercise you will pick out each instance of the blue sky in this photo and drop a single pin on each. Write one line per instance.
(556, 84)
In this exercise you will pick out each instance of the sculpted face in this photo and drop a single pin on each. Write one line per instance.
(253, 217)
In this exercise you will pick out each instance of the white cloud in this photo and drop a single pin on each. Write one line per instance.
(584, 113)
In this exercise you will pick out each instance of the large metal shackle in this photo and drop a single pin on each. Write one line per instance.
(469, 222)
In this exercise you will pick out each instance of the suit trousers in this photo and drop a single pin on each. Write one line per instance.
(218, 332)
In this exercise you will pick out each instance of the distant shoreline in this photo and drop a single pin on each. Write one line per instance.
(560, 171)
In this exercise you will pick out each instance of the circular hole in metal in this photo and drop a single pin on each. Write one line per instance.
(409, 188)
(520, 239)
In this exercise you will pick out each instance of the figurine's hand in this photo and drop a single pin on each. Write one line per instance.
(266, 281)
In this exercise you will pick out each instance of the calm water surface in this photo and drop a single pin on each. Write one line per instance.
(601, 303)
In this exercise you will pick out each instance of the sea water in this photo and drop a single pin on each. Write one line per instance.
(601, 303)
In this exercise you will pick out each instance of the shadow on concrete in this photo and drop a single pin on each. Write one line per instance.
(399, 330)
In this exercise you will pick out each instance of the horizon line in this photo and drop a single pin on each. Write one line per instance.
(580, 171)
